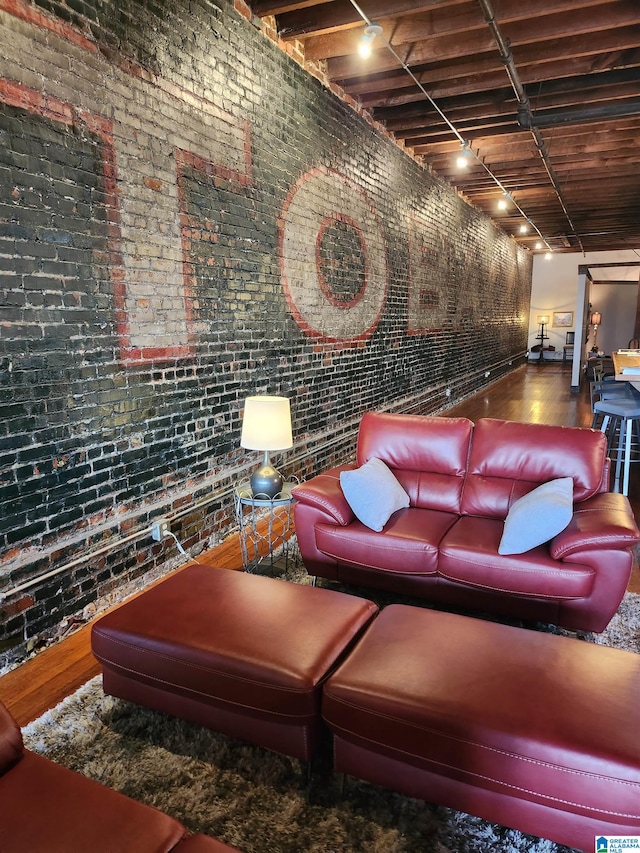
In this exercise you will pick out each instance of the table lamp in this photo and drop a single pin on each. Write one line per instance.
(596, 319)
(266, 426)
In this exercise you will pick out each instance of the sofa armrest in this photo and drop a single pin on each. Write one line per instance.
(325, 493)
(604, 522)
(10, 740)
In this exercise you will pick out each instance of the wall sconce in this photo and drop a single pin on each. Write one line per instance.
(266, 426)
(595, 320)
(370, 32)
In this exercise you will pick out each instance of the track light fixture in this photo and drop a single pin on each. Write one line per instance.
(503, 204)
(370, 32)
(464, 157)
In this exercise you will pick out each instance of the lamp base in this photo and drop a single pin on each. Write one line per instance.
(266, 482)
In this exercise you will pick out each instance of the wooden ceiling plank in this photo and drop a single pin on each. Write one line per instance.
(351, 66)
(469, 29)
(398, 89)
(306, 21)
(477, 74)
(502, 102)
(341, 14)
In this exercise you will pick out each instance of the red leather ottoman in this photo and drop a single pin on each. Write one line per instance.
(243, 654)
(533, 731)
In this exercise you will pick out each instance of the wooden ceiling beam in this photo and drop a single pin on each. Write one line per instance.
(399, 89)
(341, 14)
(502, 102)
(479, 50)
(473, 35)
(454, 16)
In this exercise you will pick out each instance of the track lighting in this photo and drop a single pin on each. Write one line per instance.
(370, 32)
(463, 160)
(547, 256)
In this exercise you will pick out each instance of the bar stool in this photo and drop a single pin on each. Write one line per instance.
(621, 415)
(608, 389)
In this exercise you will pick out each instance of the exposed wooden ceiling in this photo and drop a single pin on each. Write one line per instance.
(546, 93)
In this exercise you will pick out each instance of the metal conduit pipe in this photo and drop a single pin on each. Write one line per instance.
(525, 115)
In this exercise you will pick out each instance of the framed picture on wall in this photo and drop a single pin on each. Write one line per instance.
(563, 319)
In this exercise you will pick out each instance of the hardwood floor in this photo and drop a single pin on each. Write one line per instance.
(539, 394)
(531, 393)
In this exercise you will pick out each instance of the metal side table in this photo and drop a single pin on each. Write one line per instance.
(265, 526)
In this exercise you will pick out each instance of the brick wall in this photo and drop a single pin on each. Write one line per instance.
(188, 217)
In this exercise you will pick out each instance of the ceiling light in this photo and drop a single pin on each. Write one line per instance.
(463, 160)
(504, 201)
(547, 256)
(524, 228)
(538, 245)
(370, 32)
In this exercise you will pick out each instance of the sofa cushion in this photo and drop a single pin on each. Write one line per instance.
(373, 493)
(469, 555)
(428, 455)
(409, 544)
(510, 459)
(537, 517)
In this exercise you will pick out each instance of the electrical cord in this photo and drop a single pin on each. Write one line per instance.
(173, 536)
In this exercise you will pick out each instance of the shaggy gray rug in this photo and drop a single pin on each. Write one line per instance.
(260, 801)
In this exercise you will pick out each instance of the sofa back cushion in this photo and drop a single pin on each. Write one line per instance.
(10, 741)
(510, 459)
(428, 455)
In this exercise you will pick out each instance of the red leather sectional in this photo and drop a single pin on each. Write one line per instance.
(461, 480)
(46, 808)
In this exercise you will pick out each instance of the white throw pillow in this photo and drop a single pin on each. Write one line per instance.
(538, 516)
(373, 493)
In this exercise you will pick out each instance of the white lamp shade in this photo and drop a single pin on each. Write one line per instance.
(596, 318)
(266, 424)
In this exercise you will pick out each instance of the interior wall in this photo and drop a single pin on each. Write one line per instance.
(554, 288)
(187, 217)
(617, 303)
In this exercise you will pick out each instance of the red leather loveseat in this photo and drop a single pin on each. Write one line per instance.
(46, 808)
(461, 481)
